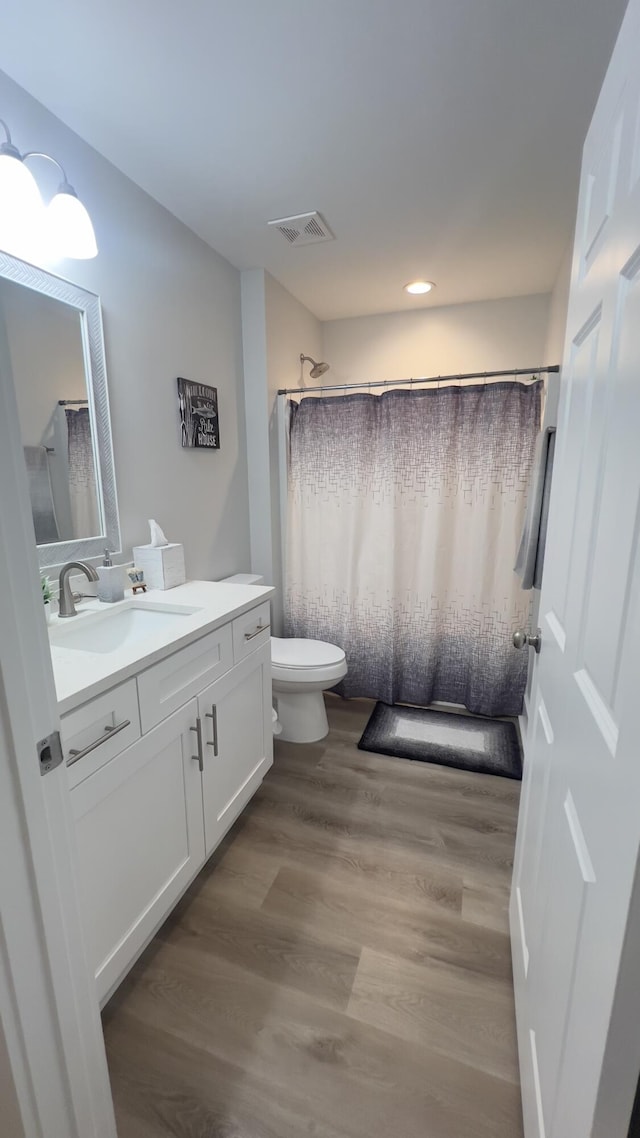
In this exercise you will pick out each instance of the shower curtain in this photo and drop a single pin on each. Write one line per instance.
(405, 512)
(82, 475)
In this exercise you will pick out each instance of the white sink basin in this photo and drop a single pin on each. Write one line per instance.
(124, 627)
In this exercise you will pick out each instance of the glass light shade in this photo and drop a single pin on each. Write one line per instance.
(70, 230)
(417, 288)
(21, 207)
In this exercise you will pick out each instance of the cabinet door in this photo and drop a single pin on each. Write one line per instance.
(238, 741)
(140, 841)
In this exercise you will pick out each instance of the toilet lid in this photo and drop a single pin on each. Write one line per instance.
(296, 653)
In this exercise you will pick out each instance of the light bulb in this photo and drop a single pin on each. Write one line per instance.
(21, 208)
(70, 230)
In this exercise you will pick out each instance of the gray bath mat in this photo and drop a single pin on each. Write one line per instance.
(489, 746)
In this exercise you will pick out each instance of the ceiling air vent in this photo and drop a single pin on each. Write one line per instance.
(304, 228)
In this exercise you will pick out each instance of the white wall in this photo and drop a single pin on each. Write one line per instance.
(291, 329)
(256, 383)
(171, 307)
(556, 328)
(276, 329)
(553, 351)
(484, 336)
(558, 306)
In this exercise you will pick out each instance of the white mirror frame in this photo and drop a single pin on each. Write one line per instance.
(87, 304)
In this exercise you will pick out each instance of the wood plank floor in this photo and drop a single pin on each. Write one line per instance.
(340, 969)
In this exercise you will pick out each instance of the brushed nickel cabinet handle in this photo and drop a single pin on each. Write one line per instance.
(198, 758)
(74, 756)
(213, 714)
(259, 629)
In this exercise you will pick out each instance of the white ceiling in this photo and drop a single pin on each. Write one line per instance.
(439, 138)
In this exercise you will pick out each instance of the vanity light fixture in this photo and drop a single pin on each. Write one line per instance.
(63, 225)
(417, 288)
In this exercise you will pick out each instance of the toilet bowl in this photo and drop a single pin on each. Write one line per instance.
(301, 670)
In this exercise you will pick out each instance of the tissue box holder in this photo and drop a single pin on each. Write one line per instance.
(163, 565)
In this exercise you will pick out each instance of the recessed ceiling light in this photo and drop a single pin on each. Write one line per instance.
(417, 288)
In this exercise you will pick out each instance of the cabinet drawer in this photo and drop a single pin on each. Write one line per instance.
(166, 686)
(251, 631)
(102, 728)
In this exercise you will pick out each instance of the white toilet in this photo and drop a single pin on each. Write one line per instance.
(300, 670)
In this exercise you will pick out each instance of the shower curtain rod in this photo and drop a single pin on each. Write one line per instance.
(431, 379)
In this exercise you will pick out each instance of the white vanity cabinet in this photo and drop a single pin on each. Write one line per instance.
(149, 812)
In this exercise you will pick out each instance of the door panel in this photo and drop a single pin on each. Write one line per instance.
(140, 841)
(615, 526)
(535, 794)
(561, 928)
(601, 180)
(579, 829)
(578, 379)
(238, 741)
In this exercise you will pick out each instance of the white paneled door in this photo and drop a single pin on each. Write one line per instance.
(579, 829)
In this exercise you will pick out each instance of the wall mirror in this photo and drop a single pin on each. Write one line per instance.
(52, 346)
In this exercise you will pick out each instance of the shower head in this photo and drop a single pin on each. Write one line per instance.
(318, 369)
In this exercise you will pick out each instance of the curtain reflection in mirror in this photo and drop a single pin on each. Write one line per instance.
(52, 354)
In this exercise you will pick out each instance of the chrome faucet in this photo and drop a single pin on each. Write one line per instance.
(67, 606)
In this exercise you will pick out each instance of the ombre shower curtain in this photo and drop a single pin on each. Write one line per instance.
(405, 513)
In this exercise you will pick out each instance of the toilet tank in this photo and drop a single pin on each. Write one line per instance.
(242, 579)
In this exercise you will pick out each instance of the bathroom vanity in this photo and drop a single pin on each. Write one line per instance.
(166, 729)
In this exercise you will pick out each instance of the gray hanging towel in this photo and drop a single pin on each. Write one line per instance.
(41, 494)
(530, 557)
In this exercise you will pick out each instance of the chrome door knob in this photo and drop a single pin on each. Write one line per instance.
(522, 638)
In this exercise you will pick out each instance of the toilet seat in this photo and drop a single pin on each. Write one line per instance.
(301, 661)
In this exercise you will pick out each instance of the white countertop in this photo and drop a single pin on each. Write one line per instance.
(80, 676)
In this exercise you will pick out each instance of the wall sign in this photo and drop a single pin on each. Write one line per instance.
(199, 426)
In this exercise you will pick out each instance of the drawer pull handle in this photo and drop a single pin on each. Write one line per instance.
(199, 757)
(109, 733)
(259, 629)
(213, 714)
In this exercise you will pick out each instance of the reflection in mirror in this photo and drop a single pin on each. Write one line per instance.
(45, 343)
(52, 352)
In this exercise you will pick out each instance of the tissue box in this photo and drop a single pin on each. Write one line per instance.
(163, 565)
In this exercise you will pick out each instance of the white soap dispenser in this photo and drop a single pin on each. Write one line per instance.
(110, 580)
